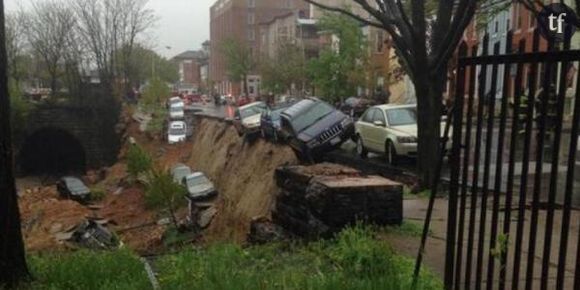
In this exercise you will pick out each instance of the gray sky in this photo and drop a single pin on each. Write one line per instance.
(183, 24)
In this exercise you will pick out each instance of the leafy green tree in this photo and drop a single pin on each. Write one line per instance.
(239, 59)
(138, 161)
(285, 70)
(156, 91)
(340, 68)
(162, 191)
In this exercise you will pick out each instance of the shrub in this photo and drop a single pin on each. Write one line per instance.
(88, 270)
(162, 192)
(354, 260)
(138, 161)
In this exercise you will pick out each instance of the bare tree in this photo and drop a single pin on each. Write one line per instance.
(12, 258)
(425, 35)
(109, 26)
(48, 27)
(15, 44)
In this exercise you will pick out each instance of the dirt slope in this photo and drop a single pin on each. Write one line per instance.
(243, 173)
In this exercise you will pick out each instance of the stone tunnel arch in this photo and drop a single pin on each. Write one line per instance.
(52, 151)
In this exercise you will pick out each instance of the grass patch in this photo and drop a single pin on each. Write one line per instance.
(407, 228)
(88, 270)
(355, 259)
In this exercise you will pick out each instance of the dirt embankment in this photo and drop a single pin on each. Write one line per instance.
(242, 171)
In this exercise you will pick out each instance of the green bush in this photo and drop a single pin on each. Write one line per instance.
(161, 191)
(354, 260)
(88, 270)
(138, 161)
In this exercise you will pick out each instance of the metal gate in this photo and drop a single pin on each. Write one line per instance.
(514, 194)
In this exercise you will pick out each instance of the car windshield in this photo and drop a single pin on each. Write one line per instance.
(176, 109)
(401, 117)
(177, 131)
(251, 111)
(74, 183)
(197, 180)
(311, 116)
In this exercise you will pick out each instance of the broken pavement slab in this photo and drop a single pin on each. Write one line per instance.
(320, 200)
(206, 217)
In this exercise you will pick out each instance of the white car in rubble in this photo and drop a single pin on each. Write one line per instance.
(177, 132)
(390, 130)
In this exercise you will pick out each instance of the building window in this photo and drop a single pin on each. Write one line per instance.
(517, 16)
(496, 26)
(251, 35)
(251, 3)
(288, 4)
(251, 18)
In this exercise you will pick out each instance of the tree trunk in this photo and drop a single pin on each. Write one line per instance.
(429, 92)
(245, 84)
(12, 258)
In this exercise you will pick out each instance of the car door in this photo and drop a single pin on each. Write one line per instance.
(375, 132)
(364, 125)
(380, 132)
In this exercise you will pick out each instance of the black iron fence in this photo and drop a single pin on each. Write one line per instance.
(514, 219)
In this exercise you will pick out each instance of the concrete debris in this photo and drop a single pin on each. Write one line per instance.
(320, 200)
(263, 230)
(206, 217)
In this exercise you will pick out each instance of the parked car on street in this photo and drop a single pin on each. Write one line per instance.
(177, 132)
(199, 187)
(243, 100)
(247, 118)
(175, 101)
(312, 127)
(73, 188)
(177, 111)
(390, 130)
(270, 121)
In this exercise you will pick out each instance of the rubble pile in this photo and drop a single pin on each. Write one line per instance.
(319, 200)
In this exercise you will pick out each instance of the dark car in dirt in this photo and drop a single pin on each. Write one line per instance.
(73, 188)
(270, 121)
(313, 127)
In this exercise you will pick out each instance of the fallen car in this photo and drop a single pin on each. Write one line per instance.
(312, 127)
(390, 130)
(199, 187)
(247, 118)
(177, 111)
(177, 132)
(73, 188)
(179, 172)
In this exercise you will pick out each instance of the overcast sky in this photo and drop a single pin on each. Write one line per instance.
(183, 24)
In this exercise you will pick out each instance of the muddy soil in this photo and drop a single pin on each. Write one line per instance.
(243, 172)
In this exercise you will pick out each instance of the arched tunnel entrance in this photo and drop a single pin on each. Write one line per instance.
(52, 151)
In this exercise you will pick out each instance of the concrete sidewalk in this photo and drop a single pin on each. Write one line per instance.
(415, 210)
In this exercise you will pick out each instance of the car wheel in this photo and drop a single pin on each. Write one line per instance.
(360, 148)
(391, 153)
